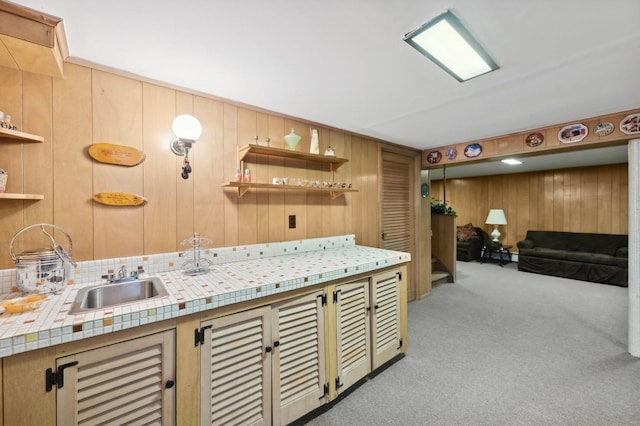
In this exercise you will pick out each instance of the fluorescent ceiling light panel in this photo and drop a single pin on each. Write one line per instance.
(447, 43)
(512, 161)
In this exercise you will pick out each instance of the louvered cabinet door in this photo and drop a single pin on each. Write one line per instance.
(128, 383)
(298, 357)
(385, 300)
(236, 360)
(353, 333)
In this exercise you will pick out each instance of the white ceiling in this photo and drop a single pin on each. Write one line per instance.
(343, 63)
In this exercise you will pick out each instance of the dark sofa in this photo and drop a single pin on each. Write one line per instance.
(600, 258)
(469, 243)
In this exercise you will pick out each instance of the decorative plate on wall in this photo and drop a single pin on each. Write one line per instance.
(434, 157)
(630, 124)
(573, 133)
(473, 150)
(603, 129)
(451, 153)
(534, 139)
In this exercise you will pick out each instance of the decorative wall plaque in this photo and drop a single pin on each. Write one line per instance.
(120, 155)
(118, 199)
(573, 133)
(534, 139)
(473, 150)
(434, 157)
(630, 124)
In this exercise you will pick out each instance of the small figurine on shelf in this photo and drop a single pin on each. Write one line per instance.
(238, 176)
(330, 152)
(5, 121)
(247, 175)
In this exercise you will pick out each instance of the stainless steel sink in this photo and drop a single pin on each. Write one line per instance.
(118, 294)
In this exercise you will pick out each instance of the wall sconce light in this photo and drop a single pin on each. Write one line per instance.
(187, 129)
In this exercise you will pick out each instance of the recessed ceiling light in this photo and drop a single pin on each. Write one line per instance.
(511, 161)
(447, 42)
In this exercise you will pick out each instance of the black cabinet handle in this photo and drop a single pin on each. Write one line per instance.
(169, 384)
(267, 349)
(56, 377)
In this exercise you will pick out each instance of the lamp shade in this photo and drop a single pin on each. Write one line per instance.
(187, 127)
(496, 217)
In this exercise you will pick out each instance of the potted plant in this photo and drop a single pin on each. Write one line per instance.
(440, 207)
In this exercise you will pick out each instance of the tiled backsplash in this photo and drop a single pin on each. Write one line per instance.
(92, 271)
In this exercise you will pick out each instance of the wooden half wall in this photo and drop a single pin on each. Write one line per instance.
(584, 199)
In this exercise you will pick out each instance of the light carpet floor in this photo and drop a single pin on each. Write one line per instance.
(504, 347)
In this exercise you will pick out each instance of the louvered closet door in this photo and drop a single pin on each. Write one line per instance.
(121, 384)
(239, 368)
(396, 203)
(353, 333)
(386, 333)
(298, 357)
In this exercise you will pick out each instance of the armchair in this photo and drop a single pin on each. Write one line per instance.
(470, 242)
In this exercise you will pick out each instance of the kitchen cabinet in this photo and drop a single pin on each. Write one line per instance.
(102, 380)
(263, 361)
(265, 365)
(332, 162)
(387, 340)
(8, 135)
(368, 326)
(131, 382)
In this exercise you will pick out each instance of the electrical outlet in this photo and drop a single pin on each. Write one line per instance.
(292, 221)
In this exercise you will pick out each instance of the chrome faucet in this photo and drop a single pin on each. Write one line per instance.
(122, 275)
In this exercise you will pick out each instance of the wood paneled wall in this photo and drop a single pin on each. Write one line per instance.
(91, 106)
(585, 199)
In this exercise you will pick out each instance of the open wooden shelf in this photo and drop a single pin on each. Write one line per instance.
(243, 187)
(335, 162)
(17, 136)
(10, 196)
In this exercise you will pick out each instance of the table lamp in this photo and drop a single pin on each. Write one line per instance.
(496, 217)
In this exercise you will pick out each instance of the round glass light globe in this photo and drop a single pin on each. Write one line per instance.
(186, 126)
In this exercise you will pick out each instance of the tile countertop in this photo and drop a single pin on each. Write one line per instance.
(224, 284)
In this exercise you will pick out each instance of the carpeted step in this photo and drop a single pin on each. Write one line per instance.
(439, 277)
